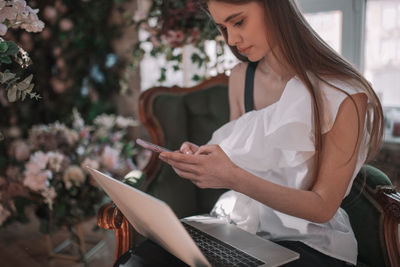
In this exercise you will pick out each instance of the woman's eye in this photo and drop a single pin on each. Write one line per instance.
(239, 23)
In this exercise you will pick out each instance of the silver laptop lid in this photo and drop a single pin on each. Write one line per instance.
(152, 218)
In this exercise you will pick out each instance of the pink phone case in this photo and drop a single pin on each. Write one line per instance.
(150, 146)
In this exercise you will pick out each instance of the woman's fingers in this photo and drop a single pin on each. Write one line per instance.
(186, 175)
(182, 165)
(178, 157)
(188, 148)
(207, 149)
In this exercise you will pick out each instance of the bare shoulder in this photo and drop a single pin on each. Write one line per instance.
(238, 73)
(236, 87)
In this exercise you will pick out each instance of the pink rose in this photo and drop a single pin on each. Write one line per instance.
(22, 151)
(66, 25)
(50, 13)
(58, 85)
(73, 175)
(37, 182)
(110, 158)
(90, 163)
(40, 159)
(12, 172)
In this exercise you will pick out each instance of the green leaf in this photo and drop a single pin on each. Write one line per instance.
(27, 91)
(12, 48)
(12, 94)
(3, 47)
(6, 76)
(5, 60)
(24, 85)
(163, 76)
(196, 78)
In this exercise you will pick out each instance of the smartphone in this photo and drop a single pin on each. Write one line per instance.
(151, 146)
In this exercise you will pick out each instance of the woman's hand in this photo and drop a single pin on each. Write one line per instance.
(208, 167)
(188, 148)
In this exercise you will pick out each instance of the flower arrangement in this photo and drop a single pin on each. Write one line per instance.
(170, 26)
(49, 168)
(16, 14)
(75, 65)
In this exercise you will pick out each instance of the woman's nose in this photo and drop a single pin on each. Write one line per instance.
(233, 38)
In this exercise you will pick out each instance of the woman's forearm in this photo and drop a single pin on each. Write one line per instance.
(304, 204)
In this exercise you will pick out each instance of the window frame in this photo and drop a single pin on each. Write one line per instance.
(353, 25)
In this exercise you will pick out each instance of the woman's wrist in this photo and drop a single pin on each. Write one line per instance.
(234, 177)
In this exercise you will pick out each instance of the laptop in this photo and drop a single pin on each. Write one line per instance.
(154, 219)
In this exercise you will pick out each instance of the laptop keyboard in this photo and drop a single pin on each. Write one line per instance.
(219, 253)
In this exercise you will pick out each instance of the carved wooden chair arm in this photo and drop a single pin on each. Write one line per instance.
(110, 218)
(389, 199)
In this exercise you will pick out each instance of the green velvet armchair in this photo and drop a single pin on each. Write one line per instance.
(174, 115)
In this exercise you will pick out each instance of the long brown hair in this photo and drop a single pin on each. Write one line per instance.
(304, 52)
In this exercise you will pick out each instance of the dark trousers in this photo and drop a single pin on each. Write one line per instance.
(149, 254)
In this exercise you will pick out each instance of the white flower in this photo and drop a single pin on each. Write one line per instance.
(40, 159)
(49, 195)
(33, 26)
(123, 122)
(78, 122)
(105, 120)
(110, 158)
(16, 14)
(8, 13)
(55, 160)
(71, 136)
(3, 29)
(73, 175)
(133, 176)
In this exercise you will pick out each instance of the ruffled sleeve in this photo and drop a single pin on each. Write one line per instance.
(278, 136)
(332, 98)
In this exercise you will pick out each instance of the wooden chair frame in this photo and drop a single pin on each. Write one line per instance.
(109, 217)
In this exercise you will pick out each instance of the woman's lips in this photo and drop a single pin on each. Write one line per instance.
(245, 50)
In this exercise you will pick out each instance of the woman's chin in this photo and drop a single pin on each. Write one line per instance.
(254, 58)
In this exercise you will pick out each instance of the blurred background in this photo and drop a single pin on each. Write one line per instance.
(71, 72)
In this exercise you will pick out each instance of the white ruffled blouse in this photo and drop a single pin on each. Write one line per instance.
(276, 143)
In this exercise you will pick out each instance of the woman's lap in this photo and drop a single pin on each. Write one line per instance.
(149, 254)
(309, 256)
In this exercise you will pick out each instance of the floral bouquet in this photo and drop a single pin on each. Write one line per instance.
(16, 14)
(170, 26)
(49, 168)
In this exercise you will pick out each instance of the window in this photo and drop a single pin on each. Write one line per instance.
(374, 47)
(329, 26)
(340, 23)
(382, 50)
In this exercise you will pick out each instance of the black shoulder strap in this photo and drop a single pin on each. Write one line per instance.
(249, 86)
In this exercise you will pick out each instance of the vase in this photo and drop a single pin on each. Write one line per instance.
(75, 244)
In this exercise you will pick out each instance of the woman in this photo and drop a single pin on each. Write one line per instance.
(290, 156)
